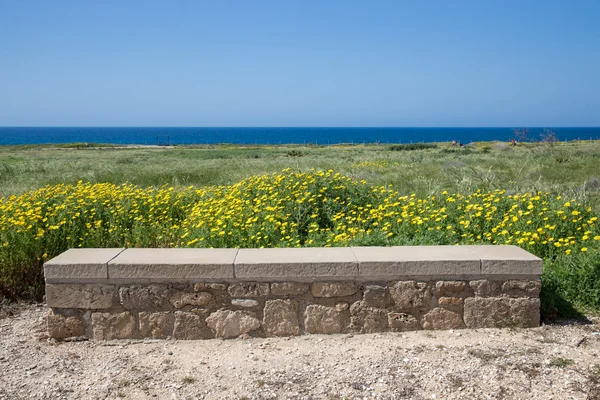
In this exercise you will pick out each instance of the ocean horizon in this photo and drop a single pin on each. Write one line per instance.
(281, 135)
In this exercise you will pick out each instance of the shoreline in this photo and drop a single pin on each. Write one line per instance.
(105, 146)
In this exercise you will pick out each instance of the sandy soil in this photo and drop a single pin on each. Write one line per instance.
(550, 362)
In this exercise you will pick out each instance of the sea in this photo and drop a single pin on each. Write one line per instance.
(282, 135)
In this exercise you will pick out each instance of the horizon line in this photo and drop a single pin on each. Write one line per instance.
(301, 127)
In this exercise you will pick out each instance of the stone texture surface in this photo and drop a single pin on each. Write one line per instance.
(322, 319)
(451, 289)
(79, 265)
(441, 318)
(199, 287)
(288, 288)
(333, 289)
(485, 288)
(246, 303)
(398, 261)
(85, 296)
(181, 299)
(514, 288)
(375, 296)
(295, 263)
(248, 289)
(506, 260)
(151, 265)
(499, 312)
(281, 318)
(365, 319)
(152, 297)
(190, 326)
(65, 326)
(408, 295)
(402, 322)
(156, 325)
(107, 326)
(229, 324)
(450, 301)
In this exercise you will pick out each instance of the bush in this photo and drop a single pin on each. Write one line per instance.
(571, 283)
(459, 151)
(294, 153)
(412, 146)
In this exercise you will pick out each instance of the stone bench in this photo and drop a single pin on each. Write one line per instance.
(206, 293)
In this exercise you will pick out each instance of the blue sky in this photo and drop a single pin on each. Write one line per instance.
(300, 63)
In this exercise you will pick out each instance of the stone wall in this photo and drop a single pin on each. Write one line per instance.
(206, 293)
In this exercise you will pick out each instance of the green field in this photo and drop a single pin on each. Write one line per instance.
(433, 173)
(570, 168)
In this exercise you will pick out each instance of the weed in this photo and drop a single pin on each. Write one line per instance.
(123, 383)
(483, 355)
(412, 146)
(294, 153)
(455, 380)
(560, 362)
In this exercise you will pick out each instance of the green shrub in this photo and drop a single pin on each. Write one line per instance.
(412, 146)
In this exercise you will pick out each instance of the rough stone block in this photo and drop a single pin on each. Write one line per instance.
(450, 301)
(288, 288)
(229, 324)
(80, 266)
(442, 319)
(190, 326)
(485, 288)
(173, 265)
(66, 325)
(302, 264)
(107, 326)
(375, 296)
(156, 325)
(333, 289)
(246, 303)
(199, 287)
(281, 318)
(248, 289)
(451, 289)
(514, 288)
(365, 319)
(498, 312)
(401, 322)
(152, 297)
(408, 295)
(90, 296)
(197, 299)
(399, 262)
(322, 319)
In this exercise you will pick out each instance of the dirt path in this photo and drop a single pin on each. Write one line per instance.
(551, 362)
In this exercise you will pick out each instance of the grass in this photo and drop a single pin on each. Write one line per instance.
(560, 362)
(566, 168)
(571, 284)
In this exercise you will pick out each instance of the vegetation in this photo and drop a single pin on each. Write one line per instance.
(412, 146)
(186, 198)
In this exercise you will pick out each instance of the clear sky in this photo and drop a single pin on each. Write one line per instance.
(300, 63)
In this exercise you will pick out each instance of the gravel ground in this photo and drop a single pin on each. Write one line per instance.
(550, 362)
